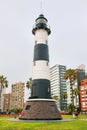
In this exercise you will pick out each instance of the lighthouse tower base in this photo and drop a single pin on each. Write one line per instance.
(40, 109)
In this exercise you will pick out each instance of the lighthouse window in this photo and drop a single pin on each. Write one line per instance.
(47, 63)
(35, 42)
(41, 21)
(48, 90)
(46, 42)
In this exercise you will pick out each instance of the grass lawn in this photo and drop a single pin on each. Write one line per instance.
(77, 124)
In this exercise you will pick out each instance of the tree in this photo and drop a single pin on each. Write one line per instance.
(70, 108)
(76, 92)
(71, 74)
(64, 96)
(3, 83)
(55, 97)
(16, 110)
(29, 83)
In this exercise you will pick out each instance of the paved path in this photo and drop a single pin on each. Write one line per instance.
(17, 120)
(85, 119)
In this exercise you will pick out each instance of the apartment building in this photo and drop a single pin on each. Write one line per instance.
(1, 98)
(58, 85)
(17, 92)
(83, 95)
(6, 102)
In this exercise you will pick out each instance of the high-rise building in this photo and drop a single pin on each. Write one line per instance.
(6, 102)
(58, 85)
(69, 93)
(83, 95)
(17, 92)
(80, 75)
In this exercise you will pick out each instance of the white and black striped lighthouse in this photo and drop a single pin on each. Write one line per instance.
(41, 75)
(40, 106)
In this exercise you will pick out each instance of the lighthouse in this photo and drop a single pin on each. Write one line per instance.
(40, 74)
(40, 106)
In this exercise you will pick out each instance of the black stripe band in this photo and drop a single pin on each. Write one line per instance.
(40, 88)
(41, 52)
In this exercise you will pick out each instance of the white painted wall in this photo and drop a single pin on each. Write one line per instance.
(41, 36)
(40, 70)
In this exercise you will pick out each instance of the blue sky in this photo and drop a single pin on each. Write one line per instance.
(67, 42)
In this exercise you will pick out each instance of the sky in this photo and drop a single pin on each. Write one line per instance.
(67, 42)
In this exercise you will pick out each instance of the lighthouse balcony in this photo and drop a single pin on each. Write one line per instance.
(41, 26)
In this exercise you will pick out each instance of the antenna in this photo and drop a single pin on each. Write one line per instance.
(41, 6)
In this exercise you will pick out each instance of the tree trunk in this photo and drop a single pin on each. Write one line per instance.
(72, 103)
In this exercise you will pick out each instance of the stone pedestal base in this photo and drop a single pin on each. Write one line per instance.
(40, 109)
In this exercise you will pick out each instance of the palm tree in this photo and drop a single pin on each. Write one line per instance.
(55, 97)
(3, 83)
(64, 96)
(76, 92)
(29, 83)
(71, 74)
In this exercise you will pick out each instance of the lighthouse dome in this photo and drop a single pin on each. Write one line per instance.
(41, 19)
